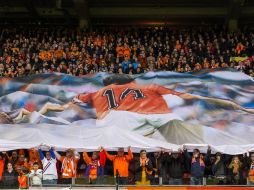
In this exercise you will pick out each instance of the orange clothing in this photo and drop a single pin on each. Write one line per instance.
(239, 48)
(98, 42)
(178, 46)
(94, 164)
(22, 181)
(251, 173)
(129, 97)
(15, 49)
(121, 163)
(1, 167)
(34, 157)
(143, 61)
(21, 152)
(69, 167)
(43, 55)
(119, 50)
(59, 54)
(127, 52)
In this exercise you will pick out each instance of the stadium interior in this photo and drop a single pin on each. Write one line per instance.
(127, 94)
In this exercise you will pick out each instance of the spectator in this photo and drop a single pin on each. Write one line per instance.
(13, 158)
(197, 162)
(34, 157)
(69, 165)
(36, 175)
(39, 50)
(95, 166)
(249, 165)
(49, 161)
(144, 169)
(121, 164)
(219, 168)
(236, 171)
(22, 177)
(175, 167)
(157, 167)
(10, 177)
(2, 163)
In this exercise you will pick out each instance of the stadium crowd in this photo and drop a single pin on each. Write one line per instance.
(165, 167)
(25, 51)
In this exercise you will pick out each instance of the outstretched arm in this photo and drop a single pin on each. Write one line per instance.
(217, 101)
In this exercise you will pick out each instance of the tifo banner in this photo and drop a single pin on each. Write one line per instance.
(155, 110)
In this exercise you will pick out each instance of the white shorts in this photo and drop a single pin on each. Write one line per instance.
(142, 123)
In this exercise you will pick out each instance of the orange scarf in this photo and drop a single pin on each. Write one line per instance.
(201, 160)
(251, 173)
(68, 168)
(22, 181)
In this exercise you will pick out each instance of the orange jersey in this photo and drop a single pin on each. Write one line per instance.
(119, 50)
(129, 97)
(120, 163)
(1, 167)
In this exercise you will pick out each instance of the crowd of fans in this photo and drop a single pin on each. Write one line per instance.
(25, 51)
(18, 168)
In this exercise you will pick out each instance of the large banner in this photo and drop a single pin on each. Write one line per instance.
(154, 110)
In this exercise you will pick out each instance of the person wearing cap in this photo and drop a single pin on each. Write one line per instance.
(121, 164)
(196, 164)
(175, 166)
(95, 166)
(49, 166)
(144, 169)
(69, 165)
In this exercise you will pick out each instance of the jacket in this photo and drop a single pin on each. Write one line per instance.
(174, 166)
(10, 179)
(197, 166)
(121, 163)
(139, 169)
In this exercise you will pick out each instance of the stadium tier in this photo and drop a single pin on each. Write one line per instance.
(125, 95)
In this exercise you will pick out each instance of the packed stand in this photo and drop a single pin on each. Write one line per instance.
(26, 51)
(34, 167)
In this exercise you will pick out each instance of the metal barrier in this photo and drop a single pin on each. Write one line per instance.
(109, 183)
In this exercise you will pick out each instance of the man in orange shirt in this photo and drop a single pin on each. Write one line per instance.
(121, 164)
(2, 161)
(69, 165)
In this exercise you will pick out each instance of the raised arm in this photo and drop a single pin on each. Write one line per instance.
(58, 156)
(208, 154)
(130, 155)
(86, 158)
(41, 154)
(52, 153)
(109, 156)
